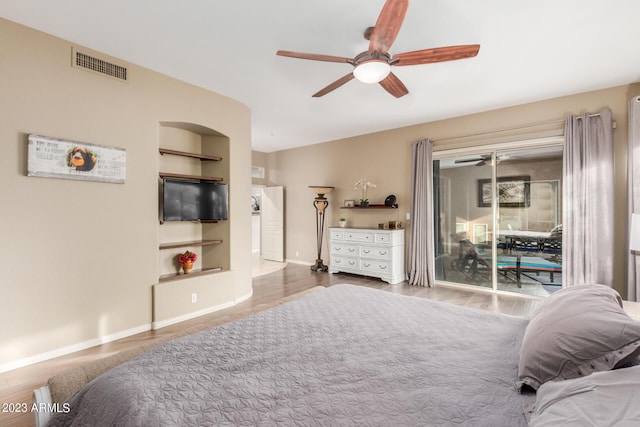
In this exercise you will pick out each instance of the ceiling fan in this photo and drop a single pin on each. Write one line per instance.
(484, 159)
(374, 65)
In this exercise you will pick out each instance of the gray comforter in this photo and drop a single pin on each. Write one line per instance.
(346, 355)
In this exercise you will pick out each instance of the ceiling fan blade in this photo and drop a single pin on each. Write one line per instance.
(388, 25)
(439, 54)
(314, 56)
(333, 86)
(394, 86)
(478, 159)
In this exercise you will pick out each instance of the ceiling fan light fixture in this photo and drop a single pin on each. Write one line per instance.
(373, 71)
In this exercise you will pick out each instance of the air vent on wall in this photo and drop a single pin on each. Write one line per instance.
(92, 63)
(257, 172)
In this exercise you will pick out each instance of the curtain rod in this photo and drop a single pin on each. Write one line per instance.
(613, 122)
(518, 128)
(535, 125)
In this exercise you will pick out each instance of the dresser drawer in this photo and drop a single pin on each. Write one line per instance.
(378, 267)
(375, 252)
(344, 249)
(341, 263)
(359, 236)
(336, 234)
(382, 238)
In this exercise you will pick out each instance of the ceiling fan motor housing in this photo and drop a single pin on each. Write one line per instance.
(371, 67)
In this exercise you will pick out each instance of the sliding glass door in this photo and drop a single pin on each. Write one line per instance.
(498, 219)
(464, 253)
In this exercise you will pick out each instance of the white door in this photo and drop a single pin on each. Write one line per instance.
(272, 227)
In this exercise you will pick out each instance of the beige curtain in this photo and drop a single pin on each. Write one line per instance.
(633, 186)
(588, 214)
(421, 242)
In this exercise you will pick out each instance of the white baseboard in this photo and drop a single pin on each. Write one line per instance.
(194, 314)
(244, 297)
(296, 261)
(21, 363)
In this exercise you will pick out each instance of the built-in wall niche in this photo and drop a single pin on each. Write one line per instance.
(192, 151)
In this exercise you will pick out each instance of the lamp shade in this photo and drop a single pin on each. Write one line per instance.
(321, 190)
(634, 237)
(372, 71)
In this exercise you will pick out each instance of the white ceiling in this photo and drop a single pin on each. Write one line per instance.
(530, 50)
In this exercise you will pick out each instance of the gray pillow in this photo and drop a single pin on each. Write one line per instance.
(601, 399)
(577, 331)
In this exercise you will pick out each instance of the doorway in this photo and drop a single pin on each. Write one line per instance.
(267, 229)
(498, 219)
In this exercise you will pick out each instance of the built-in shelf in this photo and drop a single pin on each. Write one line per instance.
(189, 243)
(185, 176)
(202, 157)
(370, 207)
(193, 273)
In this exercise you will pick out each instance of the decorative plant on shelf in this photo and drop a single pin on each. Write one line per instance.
(364, 184)
(186, 260)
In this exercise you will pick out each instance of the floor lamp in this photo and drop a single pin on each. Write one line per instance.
(320, 203)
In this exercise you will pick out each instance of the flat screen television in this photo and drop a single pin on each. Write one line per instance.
(194, 201)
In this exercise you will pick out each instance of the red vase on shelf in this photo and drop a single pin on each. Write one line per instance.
(186, 260)
(187, 266)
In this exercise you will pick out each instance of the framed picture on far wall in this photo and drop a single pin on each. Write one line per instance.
(513, 192)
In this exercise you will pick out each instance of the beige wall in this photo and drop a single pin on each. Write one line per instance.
(539, 216)
(79, 259)
(385, 159)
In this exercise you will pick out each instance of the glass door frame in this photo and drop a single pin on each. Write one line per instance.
(493, 149)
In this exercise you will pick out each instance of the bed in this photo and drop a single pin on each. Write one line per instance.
(344, 355)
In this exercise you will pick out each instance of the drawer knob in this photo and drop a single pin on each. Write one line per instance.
(351, 250)
(366, 251)
(352, 262)
(383, 252)
(383, 267)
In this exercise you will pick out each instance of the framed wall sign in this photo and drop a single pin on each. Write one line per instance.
(57, 158)
(513, 192)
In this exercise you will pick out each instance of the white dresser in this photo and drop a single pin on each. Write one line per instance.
(366, 251)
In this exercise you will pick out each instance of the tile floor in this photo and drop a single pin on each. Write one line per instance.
(260, 267)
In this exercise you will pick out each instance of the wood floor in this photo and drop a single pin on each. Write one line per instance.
(17, 386)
